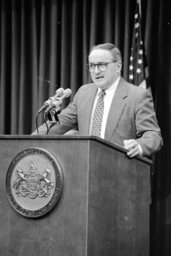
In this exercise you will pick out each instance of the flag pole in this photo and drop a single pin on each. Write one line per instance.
(139, 5)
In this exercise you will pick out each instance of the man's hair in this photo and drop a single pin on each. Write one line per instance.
(111, 48)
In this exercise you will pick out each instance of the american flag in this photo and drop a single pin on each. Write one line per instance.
(136, 66)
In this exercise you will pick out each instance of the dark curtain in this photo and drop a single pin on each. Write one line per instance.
(44, 45)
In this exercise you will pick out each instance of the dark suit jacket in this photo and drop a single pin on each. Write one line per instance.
(131, 116)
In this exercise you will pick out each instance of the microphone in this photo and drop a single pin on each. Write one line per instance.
(55, 104)
(59, 93)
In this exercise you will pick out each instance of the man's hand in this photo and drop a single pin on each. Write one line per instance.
(133, 148)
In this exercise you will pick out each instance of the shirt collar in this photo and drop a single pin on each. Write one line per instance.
(112, 88)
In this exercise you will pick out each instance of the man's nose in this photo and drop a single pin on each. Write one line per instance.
(96, 69)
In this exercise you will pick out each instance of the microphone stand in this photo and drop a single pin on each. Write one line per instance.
(52, 116)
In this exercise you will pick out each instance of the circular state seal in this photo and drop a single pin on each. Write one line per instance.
(34, 182)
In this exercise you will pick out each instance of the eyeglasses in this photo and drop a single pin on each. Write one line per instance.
(101, 66)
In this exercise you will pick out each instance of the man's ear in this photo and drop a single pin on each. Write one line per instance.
(119, 66)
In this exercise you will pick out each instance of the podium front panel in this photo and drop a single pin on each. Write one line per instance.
(63, 230)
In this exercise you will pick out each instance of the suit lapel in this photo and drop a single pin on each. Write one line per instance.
(116, 109)
(88, 106)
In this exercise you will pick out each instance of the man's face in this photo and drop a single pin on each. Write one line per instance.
(107, 76)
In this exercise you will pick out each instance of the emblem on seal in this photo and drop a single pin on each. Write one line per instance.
(34, 182)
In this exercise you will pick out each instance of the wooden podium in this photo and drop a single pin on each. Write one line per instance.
(103, 210)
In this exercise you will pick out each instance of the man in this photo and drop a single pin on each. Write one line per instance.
(128, 117)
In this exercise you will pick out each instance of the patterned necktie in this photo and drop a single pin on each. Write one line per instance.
(98, 115)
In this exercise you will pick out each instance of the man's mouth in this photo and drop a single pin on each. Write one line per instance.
(99, 77)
